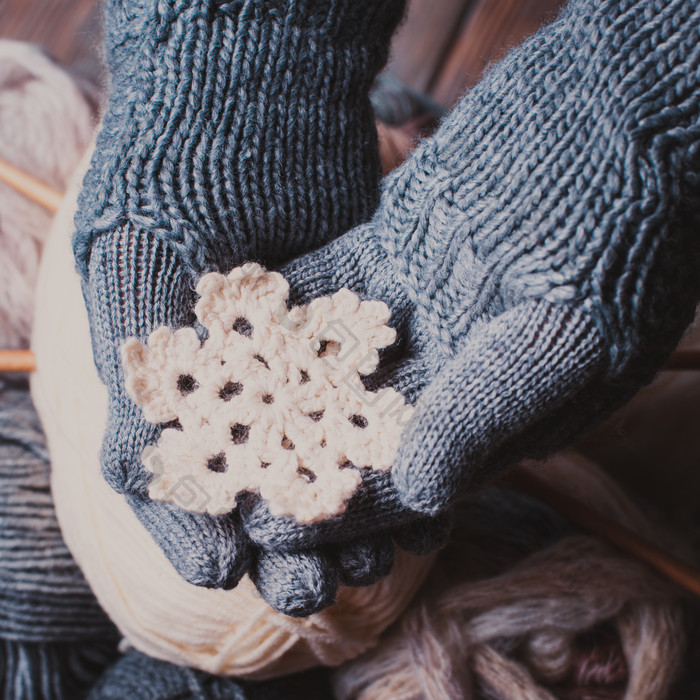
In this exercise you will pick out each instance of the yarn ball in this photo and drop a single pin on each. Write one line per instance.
(54, 638)
(139, 677)
(520, 605)
(46, 122)
(223, 632)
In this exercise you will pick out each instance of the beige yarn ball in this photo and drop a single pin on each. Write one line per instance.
(224, 632)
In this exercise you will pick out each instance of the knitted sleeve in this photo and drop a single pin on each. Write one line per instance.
(234, 131)
(570, 173)
(237, 130)
(540, 250)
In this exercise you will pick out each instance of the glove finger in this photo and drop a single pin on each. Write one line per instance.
(474, 417)
(374, 507)
(295, 584)
(424, 535)
(363, 561)
(324, 271)
(208, 551)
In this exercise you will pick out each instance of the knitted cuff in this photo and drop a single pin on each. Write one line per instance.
(135, 285)
(238, 130)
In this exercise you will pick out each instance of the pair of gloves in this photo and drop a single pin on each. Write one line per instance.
(539, 253)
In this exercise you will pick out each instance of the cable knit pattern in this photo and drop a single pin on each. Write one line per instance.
(539, 253)
(562, 176)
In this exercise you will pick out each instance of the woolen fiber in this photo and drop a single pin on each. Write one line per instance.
(54, 638)
(508, 609)
(46, 122)
(224, 632)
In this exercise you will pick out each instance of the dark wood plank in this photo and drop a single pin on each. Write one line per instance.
(67, 29)
(487, 32)
(419, 45)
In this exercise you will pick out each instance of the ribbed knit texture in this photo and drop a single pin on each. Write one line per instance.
(237, 130)
(234, 131)
(54, 638)
(539, 253)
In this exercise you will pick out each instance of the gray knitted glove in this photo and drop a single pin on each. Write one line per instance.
(234, 131)
(540, 256)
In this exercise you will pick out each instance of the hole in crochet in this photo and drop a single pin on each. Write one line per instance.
(218, 463)
(173, 424)
(240, 433)
(186, 384)
(229, 390)
(269, 420)
(260, 358)
(359, 421)
(307, 474)
(243, 326)
(287, 444)
(328, 347)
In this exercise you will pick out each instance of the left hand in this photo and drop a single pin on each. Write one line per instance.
(539, 255)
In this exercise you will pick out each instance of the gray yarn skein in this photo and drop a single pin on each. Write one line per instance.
(56, 643)
(539, 255)
(139, 677)
(234, 131)
(54, 638)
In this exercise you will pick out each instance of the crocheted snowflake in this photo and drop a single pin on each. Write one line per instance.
(270, 403)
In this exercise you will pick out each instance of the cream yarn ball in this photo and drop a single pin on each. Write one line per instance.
(224, 632)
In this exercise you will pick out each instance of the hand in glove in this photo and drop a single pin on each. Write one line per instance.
(539, 255)
(234, 131)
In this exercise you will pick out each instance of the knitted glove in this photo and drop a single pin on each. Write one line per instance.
(539, 255)
(234, 131)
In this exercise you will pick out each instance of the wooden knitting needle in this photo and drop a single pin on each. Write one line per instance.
(50, 199)
(23, 360)
(30, 187)
(525, 482)
(17, 361)
(684, 359)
